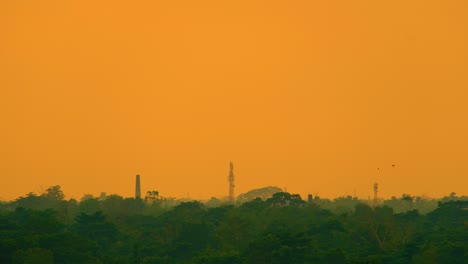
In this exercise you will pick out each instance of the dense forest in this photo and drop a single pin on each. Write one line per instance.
(281, 228)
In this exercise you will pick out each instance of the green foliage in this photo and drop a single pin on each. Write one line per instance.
(33, 256)
(284, 199)
(280, 229)
(54, 193)
(96, 228)
(262, 193)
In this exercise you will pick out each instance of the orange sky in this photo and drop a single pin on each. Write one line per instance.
(309, 95)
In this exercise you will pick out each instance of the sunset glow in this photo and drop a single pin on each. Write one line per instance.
(312, 96)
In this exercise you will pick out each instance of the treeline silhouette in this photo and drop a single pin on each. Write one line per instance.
(281, 228)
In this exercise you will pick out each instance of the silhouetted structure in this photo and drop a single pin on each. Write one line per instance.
(231, 182)
(376, 190)
(309, 198)
(262, 193)
(137, 188)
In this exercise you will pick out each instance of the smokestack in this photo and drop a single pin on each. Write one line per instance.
(137, 188)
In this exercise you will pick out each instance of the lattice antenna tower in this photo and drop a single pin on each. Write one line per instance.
(376, 191)
(231, 182)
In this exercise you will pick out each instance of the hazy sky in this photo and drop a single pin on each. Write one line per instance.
(313, 96)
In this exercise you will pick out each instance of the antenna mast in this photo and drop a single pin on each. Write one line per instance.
(231, 182)
(376, 190)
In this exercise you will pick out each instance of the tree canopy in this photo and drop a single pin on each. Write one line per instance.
(281, 228)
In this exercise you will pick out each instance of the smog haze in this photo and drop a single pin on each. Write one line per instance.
(305, 95)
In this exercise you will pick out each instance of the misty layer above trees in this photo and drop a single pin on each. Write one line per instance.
(281, 228)
(53, 197)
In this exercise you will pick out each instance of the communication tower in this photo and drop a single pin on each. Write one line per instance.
(231, 182)
(376, 190)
